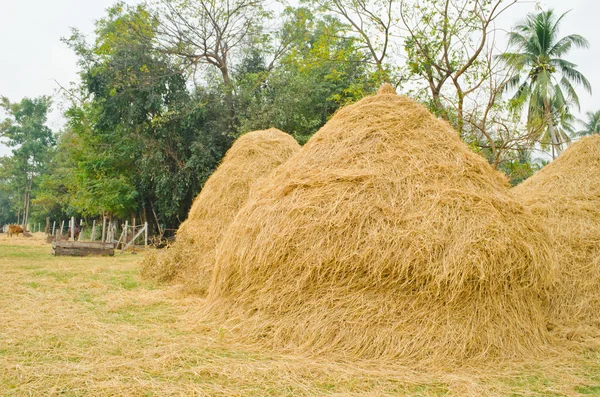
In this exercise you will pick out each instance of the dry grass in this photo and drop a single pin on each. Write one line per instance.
(566, 196)
(190, 260)
(93, 327)
(385, 237)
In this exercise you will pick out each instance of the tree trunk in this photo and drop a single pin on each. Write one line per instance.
(438, 105)
(228, 95)
(460, 124)
(556, 145)
(24, 207)
(160, 232)
(28, 201)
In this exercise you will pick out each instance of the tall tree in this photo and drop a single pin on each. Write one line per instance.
(333, 68)
(545, 79)
(140, 140)
(32, 141)
(452, 61)
(210, 33)
(370, 23)
(449, 45)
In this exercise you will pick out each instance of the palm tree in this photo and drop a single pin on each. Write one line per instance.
(544, 79)
(592, 125)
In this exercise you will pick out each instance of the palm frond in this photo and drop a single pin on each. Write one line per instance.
(572, 96)
(513, 82)
(592, 125)
(568, 70)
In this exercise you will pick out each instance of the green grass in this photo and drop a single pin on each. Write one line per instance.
(588, 390)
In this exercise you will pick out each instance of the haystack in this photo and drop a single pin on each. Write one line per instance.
(385, 237)
(566, 195)
(191, 258)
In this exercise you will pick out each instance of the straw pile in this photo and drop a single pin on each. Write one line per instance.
(385, 237)
(191, 258)
(566, 196)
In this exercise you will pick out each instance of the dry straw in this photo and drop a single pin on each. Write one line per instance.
(385, 237)
(191, 258)
(566, 196)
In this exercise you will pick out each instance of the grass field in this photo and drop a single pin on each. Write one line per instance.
(92, 326)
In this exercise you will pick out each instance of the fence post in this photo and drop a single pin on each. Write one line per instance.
(53, 227)
(93, 229)
(125, 233)
(146, 236)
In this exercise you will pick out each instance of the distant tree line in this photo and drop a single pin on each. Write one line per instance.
(166, 87)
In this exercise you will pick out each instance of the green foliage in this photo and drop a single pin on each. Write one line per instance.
(520, 168)
(321, 71)
(32, 143)
(138, 141)
(55, 194)
(6, 200)
(591, 125)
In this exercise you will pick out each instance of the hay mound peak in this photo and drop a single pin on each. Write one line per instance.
(386, 88)
(385, 237)
(565, 194)
(190, 259)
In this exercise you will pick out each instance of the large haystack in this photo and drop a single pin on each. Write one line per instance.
(566, 196)
(191, 259)
(385, 237)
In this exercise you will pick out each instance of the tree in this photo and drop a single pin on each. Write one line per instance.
(327, 68)
(370, 23)
(449, 47)
(139, 140)
(32, 142)
(454, 68)
(544, 79)
(58, 189)
(7, 194)
(591, 125)
(208, 32)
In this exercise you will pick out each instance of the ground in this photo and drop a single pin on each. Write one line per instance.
(91, 326)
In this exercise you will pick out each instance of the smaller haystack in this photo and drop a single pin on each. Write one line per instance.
(565, 194)
(385, 237)
(191, 258)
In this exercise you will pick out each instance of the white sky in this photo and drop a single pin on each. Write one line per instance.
(32, 56)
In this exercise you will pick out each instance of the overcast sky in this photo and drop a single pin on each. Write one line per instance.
(32, 57)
